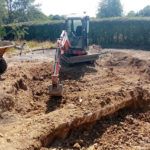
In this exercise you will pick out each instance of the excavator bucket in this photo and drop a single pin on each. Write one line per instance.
(56, 91)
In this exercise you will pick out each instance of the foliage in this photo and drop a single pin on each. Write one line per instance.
(20, 11)
(131, 14)
(38, 31)
(35, 14)
(18, 32)
(112, 32)
(145, 12)
(109, 8)
(2, 32)
(3, 11)
(121, 32)
(56, 17)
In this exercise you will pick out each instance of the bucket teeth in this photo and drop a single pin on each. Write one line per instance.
(56, 90)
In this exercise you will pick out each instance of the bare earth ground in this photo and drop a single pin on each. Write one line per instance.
(105, 106)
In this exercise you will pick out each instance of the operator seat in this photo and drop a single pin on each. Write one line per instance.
(79, 31)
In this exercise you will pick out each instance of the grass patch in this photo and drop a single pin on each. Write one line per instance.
(31, 46)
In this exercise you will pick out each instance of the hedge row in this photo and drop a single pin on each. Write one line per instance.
(44, 32)
(38, 31)
(119, 32)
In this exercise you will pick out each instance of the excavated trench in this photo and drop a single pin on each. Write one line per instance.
(118, 81)
(110, 132)
(135, 99)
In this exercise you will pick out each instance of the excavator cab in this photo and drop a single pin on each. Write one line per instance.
(78, 29)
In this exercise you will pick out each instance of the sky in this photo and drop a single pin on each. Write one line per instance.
(68, 7)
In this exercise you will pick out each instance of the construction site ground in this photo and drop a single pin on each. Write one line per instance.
(104, 106)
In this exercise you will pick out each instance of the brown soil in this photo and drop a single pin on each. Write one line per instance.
(116, 91)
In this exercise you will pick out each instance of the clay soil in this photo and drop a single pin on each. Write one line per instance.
(104, 106)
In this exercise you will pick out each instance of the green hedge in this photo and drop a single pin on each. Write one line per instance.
(49, 31)
(39, 31)
(121, 32)
(118, 32)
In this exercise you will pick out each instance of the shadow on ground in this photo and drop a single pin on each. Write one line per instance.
(74, 72)
(53, 104)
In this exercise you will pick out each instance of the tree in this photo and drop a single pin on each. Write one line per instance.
(131, 14)
(2, 32)
(56, 17)
(13, 11)
(3, 11)
(145, 12)
(109, 8)
(18, 32)
(9, 5)
(23, 11)
(35, 14)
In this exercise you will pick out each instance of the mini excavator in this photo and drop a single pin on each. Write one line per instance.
(72, 48)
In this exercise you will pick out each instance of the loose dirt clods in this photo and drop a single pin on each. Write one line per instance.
(115, 92)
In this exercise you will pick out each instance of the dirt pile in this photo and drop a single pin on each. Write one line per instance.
(33, 119)
(23, 86)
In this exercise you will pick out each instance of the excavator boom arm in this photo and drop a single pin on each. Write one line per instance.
(63, 45)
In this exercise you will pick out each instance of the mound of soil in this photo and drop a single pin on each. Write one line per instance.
(31, 119)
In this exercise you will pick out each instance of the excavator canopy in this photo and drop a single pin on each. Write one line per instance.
(78, 29)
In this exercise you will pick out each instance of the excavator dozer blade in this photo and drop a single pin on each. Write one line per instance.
(56, 91)
(80, 59)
